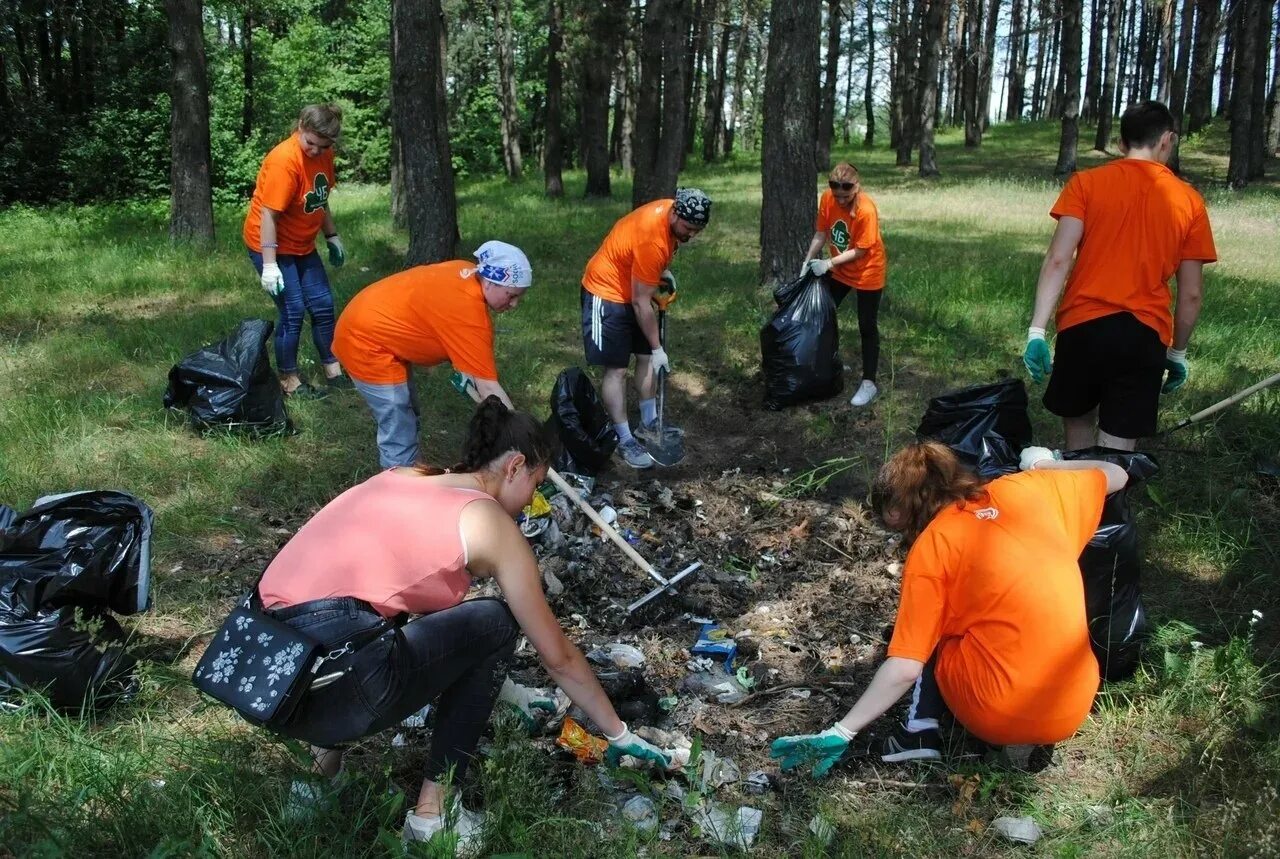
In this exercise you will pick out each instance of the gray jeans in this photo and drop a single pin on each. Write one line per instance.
(395, 409)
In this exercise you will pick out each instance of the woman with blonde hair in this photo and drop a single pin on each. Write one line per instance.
(849, 222)
(290, 206)
(991, 621)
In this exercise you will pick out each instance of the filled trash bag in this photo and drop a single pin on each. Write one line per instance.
(800, 347)
(87, 549)
(231, 383)
(1112, 568)
(986, 425)
(586, 433)
(79, 663)
(64, 564)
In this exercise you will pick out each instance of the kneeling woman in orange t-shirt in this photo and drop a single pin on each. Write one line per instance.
(411, 541)
(991, 623)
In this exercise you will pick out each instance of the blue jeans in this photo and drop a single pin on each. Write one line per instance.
(306, 290)
(395, 410)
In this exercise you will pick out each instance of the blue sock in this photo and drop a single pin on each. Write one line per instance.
(648, 411)
(624, 432)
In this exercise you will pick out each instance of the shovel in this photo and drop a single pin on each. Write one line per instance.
(668, 447)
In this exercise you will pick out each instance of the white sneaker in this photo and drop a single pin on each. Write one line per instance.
(866, 393)
(466, 826)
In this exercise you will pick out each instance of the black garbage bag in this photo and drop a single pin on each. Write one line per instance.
(78, 662)
(800, 347)
(578, 416)
(231, 383)
(986, 425)
(1112, 568)
(87, 549)
(64, 564)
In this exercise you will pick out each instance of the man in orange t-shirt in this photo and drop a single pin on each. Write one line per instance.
(849, 222)
(427, 315)
(290, 206)
(991, 621)
(618, 319)
(1130, 225)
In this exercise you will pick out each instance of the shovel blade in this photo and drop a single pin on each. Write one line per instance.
(667, 450)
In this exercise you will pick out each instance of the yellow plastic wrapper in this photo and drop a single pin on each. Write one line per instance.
(585, 747)
(538, 506)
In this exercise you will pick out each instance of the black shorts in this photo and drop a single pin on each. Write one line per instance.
(610, 333)
(1112, 363)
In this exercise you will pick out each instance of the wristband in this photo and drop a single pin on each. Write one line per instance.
(272, 245)
(1034, 333)
(1177, 354)
(844, 733)
(621, 734)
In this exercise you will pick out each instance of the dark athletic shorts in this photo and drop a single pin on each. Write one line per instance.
(1113, 363)
(610, 333)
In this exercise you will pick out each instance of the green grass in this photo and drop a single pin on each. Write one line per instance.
(96, 306)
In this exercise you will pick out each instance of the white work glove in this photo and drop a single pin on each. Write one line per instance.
(1033, 455)
(658, 361)
(272, 280)
(819, 267)
(525, 700)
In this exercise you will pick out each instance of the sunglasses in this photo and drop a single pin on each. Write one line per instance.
(842, 186)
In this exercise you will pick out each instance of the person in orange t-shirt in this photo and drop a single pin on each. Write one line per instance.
(290, 206)
(1130, 225)
(618, 319)
(991, 622)
(849, 222)
(427, 315)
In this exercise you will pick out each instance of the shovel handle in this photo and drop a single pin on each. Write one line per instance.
(1227, 403)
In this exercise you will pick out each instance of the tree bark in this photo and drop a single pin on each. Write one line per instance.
(1127, 73)
(1230, 26)
(604, 24)
(1017, 67)
(1038, 85)
(421, 122)
(972, 73)
(908, 88)
(713, 110)
(1071, 39)
(739, 80)
(1273, 103)
(623, 112)
(660, 182)
(987, 63)
(1164, 76)
(1093, 75)
(1261, 33)
(935, 23)
(704, 12)
(790, 124)
(191, 191)
(648, 130)
(1240, 167)
(1106, 101)
(1204, 54)
(847, 124)
(1053, 80)
(868, 100)
(509, 121)
(827, 104)
(959, 48)
(552, 156)
(1178, 94)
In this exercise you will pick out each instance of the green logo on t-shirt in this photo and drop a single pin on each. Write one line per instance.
(318, 196)
(840, 235)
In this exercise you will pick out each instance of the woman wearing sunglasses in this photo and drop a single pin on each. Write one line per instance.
(849, 222)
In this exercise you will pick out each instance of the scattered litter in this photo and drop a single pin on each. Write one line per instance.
(757, 782)
(631, 536)
(1023, 830)
(715, 641)
(399, 741)
(894, 569)
(729, 828)
(672, 790)
(416, 720)
(802, 694)
(608, 514)
(724, 688)
(534, 528)
(718, 771)
(822, 829)
(555, 587)
(585, 747)
(744, 678)
(618, 655)
(668, 703)
(641, 813)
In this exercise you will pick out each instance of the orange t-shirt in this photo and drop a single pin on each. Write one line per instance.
(392, 541)
(298, 188)
(995, 588)
(424, 315)
(639, 247)
(1140, 222)
(856, 228)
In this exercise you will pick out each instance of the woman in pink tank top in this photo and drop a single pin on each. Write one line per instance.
(410, 541)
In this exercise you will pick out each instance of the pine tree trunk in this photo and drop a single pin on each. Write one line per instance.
(1125, 74)
(1178, 95)
(868, 102)
(1038, 85)
(895, 32)
(1232, 12)
(988, 62)
(670, 154)
(1146, 51)
(956, 60)
(1072, 36)
(704, 12)
(191, 191)
(509, 121)
(739, 80)
(1273, 103)
(648, 129)
(1240, 167)
(1106, 102)
(935, 23)
(1093, 75)
(1017, 67)
(553, 156)
(827, 103)
(713, 109)
(908, 89)
(790, 124)
(604, 27)
(972, 64)
(1258, 110)
(246, 108)
(1164, 77)
(1053, 78)
(626, 118)
(422, 126)
(847, 124)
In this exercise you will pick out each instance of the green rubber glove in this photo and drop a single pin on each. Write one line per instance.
(1036, 357)
(527, 702)
(337, 253)
(1175, 364)
(821, 750)
(628, 743)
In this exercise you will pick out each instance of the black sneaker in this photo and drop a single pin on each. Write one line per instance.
(918, 746)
